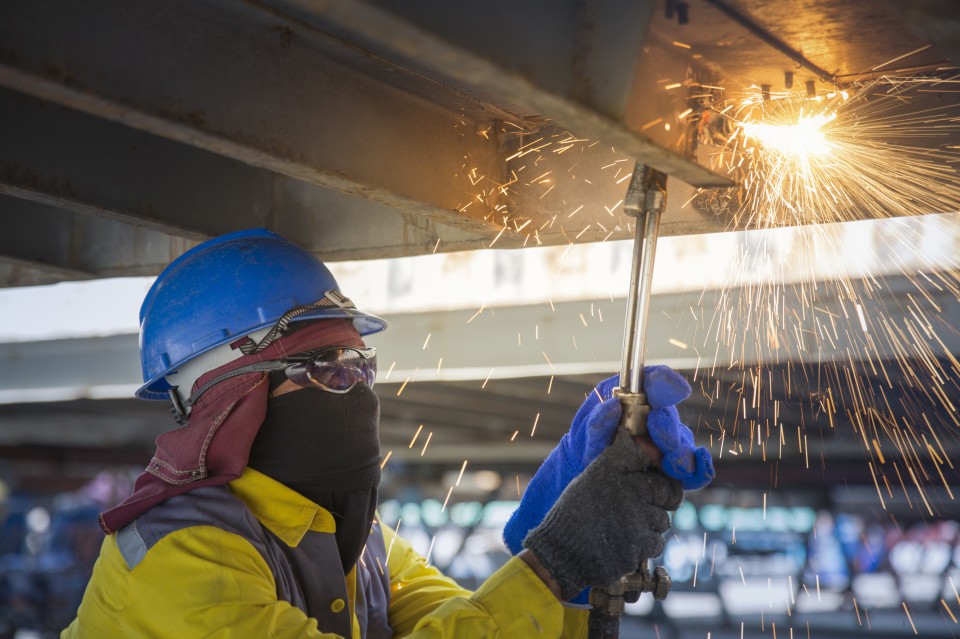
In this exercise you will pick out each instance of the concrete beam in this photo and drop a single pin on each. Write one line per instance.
(562, 339)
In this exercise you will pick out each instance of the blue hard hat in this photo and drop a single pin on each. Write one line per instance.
(227, 288)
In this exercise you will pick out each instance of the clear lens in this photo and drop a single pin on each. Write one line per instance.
(336, 370)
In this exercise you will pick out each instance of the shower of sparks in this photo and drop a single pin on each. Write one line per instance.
(396, 533)
(544, 353)
(415, 435)
(547, 166)
(426, 443)
(445, 501)
(474, 316)
(949, 612)
(910, 618)
(850, 357)
(795, 140)
(484, 385)
(845, 155)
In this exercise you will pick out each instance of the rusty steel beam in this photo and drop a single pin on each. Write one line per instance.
(20, 272)
(307, 133)
(60, 245)
(86, 197)
(583, 66)
(253, 86)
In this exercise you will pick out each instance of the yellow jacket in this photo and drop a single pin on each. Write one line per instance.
(208, 580)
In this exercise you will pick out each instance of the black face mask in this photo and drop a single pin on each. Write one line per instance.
(326, 447)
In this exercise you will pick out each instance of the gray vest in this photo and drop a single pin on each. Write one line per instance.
(309, 576)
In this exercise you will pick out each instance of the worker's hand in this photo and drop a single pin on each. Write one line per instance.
(669, 443)
(607, 521)
(590, 433)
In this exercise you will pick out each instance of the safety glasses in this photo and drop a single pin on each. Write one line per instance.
(336, 369)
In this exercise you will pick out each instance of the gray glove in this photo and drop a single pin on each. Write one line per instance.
(607, 521)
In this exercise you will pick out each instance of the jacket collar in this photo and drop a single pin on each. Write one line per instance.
(285, 512)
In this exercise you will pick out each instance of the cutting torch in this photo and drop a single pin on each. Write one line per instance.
(645, 200)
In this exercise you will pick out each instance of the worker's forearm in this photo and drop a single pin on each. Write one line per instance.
(541, 571)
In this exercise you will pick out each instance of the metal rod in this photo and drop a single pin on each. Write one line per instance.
(651, 226)
(602, 626)
(772, 40)
(644, 201)
(630, 324)
(634, 205)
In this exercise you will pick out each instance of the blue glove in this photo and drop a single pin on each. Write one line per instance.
(592, 431)
(691, 465)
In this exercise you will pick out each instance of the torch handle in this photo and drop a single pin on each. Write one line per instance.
(645, 200)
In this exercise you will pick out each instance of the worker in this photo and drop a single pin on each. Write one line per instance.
(256, 518)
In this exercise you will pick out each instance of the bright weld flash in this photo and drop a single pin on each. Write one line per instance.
(805, 138)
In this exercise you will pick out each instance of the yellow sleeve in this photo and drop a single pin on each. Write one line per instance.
(196, 582)
(512, 602)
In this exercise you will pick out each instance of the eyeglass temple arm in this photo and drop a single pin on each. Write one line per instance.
(180, 407)
(258, 367)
